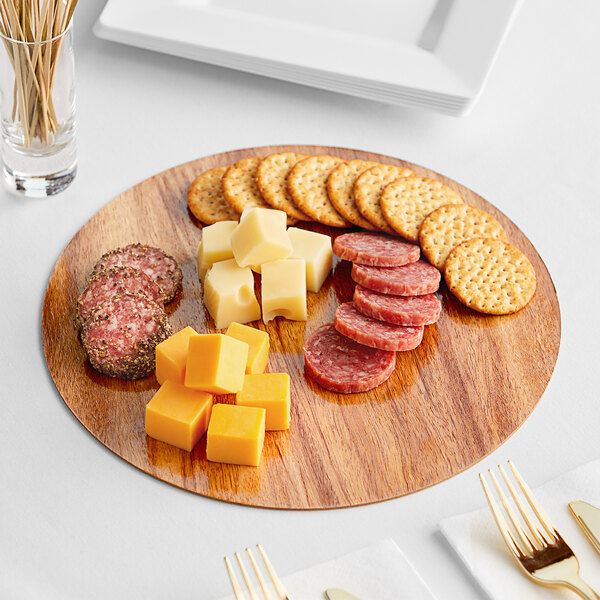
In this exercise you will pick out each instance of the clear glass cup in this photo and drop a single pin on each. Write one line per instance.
(37, 113)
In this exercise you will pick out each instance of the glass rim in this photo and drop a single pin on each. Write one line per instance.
(38, 42)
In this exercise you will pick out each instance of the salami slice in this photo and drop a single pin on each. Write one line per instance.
(160, 267)
(104, 285)
(375, 333)
(341, 365)
(415, 279)
(120, 335)
(375, 249)
(400, 310)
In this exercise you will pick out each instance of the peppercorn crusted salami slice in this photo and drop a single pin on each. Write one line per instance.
(159, 266)
(111, 282)
(400, 310)
(415, 279)
(375, 249)
(120, 335)
(339, 364)
(375, 333)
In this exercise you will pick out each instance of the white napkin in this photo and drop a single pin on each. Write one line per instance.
(377, 572)
(476, 539)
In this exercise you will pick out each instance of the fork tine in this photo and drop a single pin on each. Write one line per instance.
(500, 520)
(251, 590)
(514, 519)
(540, 535)
(281, 591)
(237, 590)
(261, 580)
(535, 505)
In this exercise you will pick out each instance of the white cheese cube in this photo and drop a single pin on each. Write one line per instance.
(260, 237)
(277, 215)
(215, 245)
(315, 249)
(229, 294)
(284, 289)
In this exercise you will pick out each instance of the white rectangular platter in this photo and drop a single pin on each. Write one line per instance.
(370, 50)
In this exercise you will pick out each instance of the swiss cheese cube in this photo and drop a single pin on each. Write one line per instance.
(258, 343)
(178, 415)
(315, 249)
(235, 434)
(214, 245)
(278, 215)
(171, 356)
(284, 289)
(261, 236)
(270, 391)
(216, 363)
(229, 294)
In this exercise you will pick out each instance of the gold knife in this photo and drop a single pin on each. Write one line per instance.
(588, 517)
(336, 594)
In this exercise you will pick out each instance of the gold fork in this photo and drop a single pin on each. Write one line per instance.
(540, 551)
(237, 588)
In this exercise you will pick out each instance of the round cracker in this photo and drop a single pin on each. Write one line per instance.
(367, 191)
(340, 189)
(490, 275)
(307, 185)
(271, 179)
(406, 202)
(240, 188)
(205, 198)
(450, 225)
(239, 184)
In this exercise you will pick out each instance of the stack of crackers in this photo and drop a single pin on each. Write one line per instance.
(468, 245)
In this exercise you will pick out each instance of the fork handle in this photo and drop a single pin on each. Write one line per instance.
(579, 586)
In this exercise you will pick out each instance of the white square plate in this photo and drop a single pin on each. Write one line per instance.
(370, 50)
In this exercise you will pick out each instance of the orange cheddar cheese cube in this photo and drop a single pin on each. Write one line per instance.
(171, 356)
(270, 391)
(258, 342)
(178, 415)
(216, 363)
(235, 434)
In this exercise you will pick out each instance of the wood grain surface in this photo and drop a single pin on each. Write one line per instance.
(470, 384)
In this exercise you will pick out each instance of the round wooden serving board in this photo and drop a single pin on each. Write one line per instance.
(470, 384)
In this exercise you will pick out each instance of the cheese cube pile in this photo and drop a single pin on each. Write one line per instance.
(297, 260)
(192, 368)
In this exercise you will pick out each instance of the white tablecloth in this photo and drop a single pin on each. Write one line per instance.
(75, 521)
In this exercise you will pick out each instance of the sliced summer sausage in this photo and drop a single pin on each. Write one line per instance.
(121, 334)
(375, 333)
(339, 364)
(159, 266)
(415, 279)
(400, 310)
(104, 285)
(375, 249)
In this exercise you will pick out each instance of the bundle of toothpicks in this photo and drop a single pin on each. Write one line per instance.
(26, 25)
